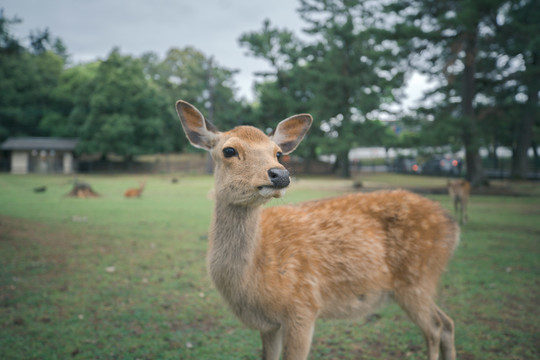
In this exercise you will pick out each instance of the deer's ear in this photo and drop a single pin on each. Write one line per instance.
(290, 132)
(200, 132)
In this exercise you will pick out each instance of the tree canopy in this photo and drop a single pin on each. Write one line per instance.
(349, 70)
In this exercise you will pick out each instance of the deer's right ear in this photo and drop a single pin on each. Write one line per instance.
(200, 132)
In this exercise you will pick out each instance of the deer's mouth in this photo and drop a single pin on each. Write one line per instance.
(271, 191)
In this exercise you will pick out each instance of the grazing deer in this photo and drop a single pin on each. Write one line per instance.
(130, 193)
(281, 268)
(459, 191)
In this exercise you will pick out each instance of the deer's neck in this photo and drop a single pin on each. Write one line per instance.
(233, 239)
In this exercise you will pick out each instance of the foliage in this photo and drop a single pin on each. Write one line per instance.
(517, 89)
(189, 75)
(26, 81)
(347, 68)
(467, 47)
(343, 75)
(124, 112)
(122, 105)
(288, 88)
(66, 113)
(8, 43)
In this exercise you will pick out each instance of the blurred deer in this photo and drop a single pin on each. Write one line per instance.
(459, 191)
(135, 192)
(281, 268)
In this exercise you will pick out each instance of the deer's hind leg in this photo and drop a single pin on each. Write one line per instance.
(447, 336)
(436, 326)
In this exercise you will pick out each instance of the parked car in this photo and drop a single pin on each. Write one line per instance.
(442, 165)
(406, 166)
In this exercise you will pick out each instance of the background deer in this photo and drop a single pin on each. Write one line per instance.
(459, 191)
(135, 192)
(281, 268)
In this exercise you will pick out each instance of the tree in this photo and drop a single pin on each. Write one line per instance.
(69, 106)
(281, 91)
(486, 62)
(287, 88)
(26, 83)
(347, 72)
(123, 105)
(189, 75)
(355, 70)
(8, 43)
(453, 39)
(125, 111)
(519, 46)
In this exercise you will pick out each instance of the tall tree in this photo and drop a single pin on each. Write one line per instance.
(448, 40)
(347, 71)
(521, 51)
(355, 69)
(280, 91)
(286, 88)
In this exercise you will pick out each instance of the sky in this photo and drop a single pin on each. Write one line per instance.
(90, 29)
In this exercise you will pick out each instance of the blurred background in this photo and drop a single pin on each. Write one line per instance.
(424, 87)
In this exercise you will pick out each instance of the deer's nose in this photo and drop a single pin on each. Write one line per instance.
(279, 177)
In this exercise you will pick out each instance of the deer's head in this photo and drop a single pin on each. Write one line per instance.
(248, 171)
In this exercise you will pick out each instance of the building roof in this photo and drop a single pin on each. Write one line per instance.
(39, 143)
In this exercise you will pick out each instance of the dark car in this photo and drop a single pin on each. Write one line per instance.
(406, 165)
(442, 165)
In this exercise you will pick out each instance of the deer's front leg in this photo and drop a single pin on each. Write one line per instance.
(272, 343)
(297, 338)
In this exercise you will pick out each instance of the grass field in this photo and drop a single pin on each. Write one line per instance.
(116, 278)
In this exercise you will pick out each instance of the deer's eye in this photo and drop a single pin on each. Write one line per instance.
(229, 152)
(279, 154)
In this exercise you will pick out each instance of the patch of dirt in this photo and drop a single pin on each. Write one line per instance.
(42, 247)
(82, 190)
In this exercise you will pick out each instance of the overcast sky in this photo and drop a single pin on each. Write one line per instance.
(91, 28)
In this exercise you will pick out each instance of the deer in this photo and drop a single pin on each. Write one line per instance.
(281, 268)
(135, 192)
(459, 191)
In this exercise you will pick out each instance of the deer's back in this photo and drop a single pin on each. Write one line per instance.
(355, 246)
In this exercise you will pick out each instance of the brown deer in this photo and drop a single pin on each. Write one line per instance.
(281, 268)
(131, 193)
(459, 191)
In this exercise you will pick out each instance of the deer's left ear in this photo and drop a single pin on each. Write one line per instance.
(290, 132)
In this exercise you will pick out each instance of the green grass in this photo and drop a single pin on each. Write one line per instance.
(116, 278)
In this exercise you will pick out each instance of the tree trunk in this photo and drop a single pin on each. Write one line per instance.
(536, 158)
(475, 171)
(519, 155)
(525, 133)
(493, 157)
(308, 161)
(344, 164)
